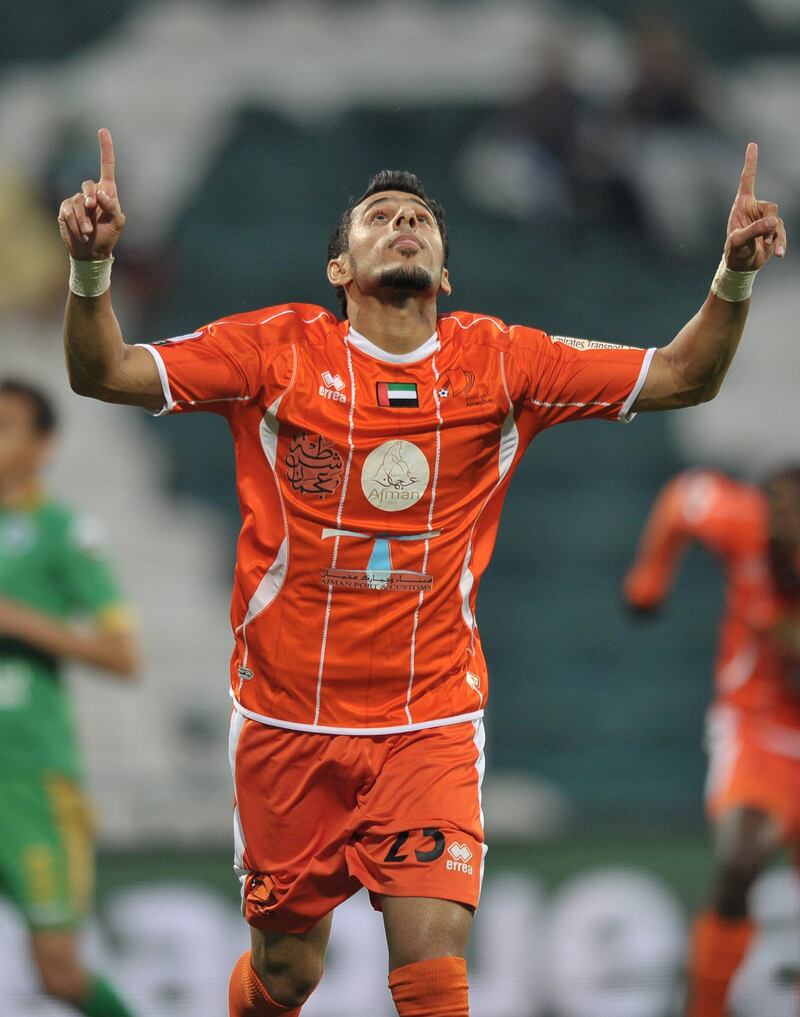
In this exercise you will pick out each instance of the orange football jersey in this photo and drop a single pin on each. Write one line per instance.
(370, 487)
(729, 519)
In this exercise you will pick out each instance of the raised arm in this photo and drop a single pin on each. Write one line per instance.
(99, 363)
(690, 370)
(663, 543)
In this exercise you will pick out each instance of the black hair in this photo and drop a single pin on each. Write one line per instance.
(386, 180)
(43, 413)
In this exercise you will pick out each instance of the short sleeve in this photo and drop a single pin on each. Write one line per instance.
(86, 572)
(577, 379)
(210, 369)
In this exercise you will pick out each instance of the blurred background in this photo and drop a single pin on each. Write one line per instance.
(586, 154)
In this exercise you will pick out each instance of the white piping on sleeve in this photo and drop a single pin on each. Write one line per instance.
(625, 414)
(169, 402)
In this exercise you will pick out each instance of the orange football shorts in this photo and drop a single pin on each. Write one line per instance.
(753, 763)
(319, 816)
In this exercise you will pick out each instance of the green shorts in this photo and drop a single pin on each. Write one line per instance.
(46, 849)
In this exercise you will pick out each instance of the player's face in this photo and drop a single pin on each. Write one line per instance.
(22, 449)
(395, 247)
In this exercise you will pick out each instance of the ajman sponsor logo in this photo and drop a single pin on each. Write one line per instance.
(460, 857)
(314, 465)
(394, 476)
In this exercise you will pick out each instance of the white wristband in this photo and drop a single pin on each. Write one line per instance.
(90, 278)
(732, 286)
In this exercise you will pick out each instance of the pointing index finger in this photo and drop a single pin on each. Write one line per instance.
(106, 155)
(747, 181)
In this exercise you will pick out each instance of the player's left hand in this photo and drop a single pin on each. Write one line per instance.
(755, 230)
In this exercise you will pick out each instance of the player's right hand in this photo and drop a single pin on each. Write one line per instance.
(91, 221)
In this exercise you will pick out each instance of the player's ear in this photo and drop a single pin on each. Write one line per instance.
(338, 271)
(444, 285)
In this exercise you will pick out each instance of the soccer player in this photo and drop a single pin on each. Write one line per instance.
(53, 575)
(753, 728)
(373, 455)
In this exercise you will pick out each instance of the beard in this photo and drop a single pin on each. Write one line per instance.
(408, 278)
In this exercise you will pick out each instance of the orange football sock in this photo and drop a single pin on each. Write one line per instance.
(248, 996)
(431, 988)
(717, 949)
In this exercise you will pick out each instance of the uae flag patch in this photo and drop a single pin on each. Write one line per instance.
(397, 393)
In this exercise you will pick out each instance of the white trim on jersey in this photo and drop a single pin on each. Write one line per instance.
(723, 745)
(239, 846)
(507, 448)
(366, 732)
(480, 766)
(273, 579)
(434, 489)
(427, 349)
(626, 413)
(339, 516)
(169, 402)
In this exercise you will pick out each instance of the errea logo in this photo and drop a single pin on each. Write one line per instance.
(332, 387)
(460, 856)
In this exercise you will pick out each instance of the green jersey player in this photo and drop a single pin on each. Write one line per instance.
(58, 602)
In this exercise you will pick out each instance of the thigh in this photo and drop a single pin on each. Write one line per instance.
(746, 837)
(296, 795)
(46, 853)
(277, 952)
(421, 828)
(419, 928)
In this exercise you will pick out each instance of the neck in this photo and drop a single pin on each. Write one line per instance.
(394, 327)
(18, 492)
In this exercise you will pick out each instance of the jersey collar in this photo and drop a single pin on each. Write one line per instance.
(429, 347)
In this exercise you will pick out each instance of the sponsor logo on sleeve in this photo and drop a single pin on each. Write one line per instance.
(395, 475)
(587, 344)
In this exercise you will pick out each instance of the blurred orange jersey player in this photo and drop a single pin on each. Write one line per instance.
(753, 728)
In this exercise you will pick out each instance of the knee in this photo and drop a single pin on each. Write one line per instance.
(732, 885)
(289, 981)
